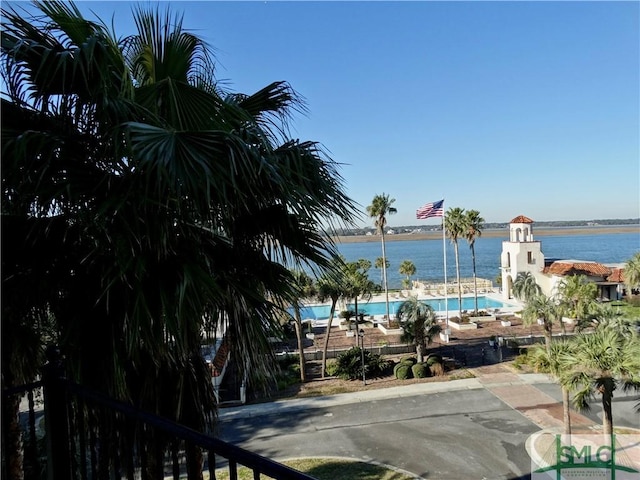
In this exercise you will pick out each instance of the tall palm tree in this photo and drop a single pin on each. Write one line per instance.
(408, 268)
(306, 289)
(600, 363)
(545, 309)
(379, 209)
(420, 324)
(152, 204)
(631, 273)
(474, 224)
(455, 227)
(525, 287)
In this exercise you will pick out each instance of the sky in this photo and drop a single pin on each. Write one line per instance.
(507, 108)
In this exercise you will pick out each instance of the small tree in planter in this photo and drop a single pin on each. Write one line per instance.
(420, 324)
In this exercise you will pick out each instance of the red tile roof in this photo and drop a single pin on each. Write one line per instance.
(617, 275)
(521, 219)
(578, 268)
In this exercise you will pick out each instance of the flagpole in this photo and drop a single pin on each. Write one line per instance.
(444, 255)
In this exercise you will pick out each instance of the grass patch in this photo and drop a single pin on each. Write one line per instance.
(627, 310)
(461, 374)
(329, 469)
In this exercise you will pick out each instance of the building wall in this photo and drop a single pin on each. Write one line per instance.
(517, 257)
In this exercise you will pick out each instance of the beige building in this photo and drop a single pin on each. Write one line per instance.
(521, 253)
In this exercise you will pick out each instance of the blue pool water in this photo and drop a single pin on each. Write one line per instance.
(321, 312)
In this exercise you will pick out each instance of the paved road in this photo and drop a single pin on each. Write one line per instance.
(465, 429)
(419, 434)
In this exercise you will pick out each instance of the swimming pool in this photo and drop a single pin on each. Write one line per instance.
(321, 312)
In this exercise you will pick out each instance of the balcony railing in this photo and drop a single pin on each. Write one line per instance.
(76, 442)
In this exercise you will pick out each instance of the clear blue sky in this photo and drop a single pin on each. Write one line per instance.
(508, 108)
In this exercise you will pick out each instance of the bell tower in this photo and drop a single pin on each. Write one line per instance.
(521, 253)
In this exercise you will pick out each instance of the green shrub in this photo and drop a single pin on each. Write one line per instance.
(409, 360)
(521, 360)
(403, 372)
(434, 358)
(332, 368)
(420, 370)
(284, 361)
(349, 364)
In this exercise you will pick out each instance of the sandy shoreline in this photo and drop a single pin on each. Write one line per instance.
(537, 232)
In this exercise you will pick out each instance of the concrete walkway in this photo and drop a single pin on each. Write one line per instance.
(519, 392)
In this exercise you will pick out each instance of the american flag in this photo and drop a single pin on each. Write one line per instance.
(434, 209)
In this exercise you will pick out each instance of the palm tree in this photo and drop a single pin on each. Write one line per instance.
(455, 227)
(604, 316)
(631, 273)
(577, 294)
(544, 309)
(306, 289)
(379, 209)
(330, 287)
(151, 204)
(407, 268)
(419, 323)
(474, 224)
(551, 361)
(356, 283)
(600, 363)
(525, 287)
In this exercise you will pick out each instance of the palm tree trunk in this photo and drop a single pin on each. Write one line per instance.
(355, 301)
(455, 249)
(384, 274)
(607, 415)
(326, 337)
(475, 280)
(298, 326)
(547, 335)
(566, 413)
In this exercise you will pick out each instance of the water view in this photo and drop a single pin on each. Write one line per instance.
(427, 255)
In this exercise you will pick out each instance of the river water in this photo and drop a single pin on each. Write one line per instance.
(428, 257)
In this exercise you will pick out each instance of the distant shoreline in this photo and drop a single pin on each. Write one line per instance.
(537, 232)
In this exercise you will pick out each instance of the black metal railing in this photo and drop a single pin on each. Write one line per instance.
(88, 435)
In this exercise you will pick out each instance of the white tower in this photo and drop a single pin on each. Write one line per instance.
(520, 254)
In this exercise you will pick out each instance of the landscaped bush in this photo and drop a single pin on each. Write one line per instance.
(403, 371)
(420, 370)
(285, 361)
(289, 371)
(433, 358)
(408, 360)
(332, 368)
(349, 364)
